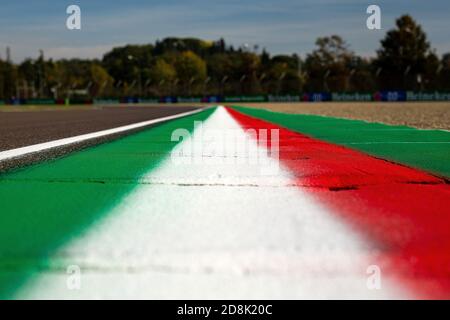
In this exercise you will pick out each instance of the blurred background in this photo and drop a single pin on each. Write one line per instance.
(218, 49)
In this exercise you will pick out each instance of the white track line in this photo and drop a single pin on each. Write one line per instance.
(19, 152)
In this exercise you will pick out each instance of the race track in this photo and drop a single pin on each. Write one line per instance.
(203, 217)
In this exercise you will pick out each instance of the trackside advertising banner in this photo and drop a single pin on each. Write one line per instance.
(381, 96)
(106, 101)
(345, 97)
(245, 99)
(430, 96)
(40, 101)
(317, 97)
(390, 96)
(287, 98)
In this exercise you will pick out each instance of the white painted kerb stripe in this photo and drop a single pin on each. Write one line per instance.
(14, 153)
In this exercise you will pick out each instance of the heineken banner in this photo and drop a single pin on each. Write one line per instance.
(381, 96)
(427, 96)
(335, 96)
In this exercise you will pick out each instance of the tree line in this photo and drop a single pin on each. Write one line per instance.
(188, 66)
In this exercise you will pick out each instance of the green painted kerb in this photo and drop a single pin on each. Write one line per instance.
(423, 149)
(45, 205)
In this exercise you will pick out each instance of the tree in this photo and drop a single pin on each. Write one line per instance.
(245, 66)
(281, 74)
(162, 75)
(443, 72)
(178, 45)
(194, 66)
(191, 71)
(126, 63)
(404, 57)
(329, 66)
(361, 77)
(101, 81)
(219, 67)
(28, 75)
(8, 80)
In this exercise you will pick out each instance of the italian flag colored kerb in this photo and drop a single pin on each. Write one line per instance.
(332, 222)
(402, 211)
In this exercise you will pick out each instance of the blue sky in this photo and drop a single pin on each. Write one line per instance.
(282, 26)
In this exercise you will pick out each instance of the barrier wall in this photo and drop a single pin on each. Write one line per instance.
(382, 96)
(431, 96)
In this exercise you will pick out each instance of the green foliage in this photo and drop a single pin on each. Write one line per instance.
(101, 81)
(8, 80)
(189, 66)
(162, 71)
(162, 75)
(126, 63)
(330, 65)
(405, 56)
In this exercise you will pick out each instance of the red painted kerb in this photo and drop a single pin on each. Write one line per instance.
(404, 210)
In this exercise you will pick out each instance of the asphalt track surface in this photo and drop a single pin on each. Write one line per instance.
(20, 129)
